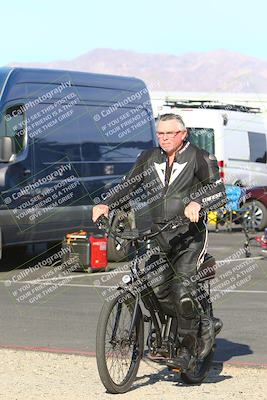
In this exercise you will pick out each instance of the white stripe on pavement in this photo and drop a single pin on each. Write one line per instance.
(85, 275)
(241, 259)
(114, 271)
(56, 278)
(114, 287)
(54, 284)
(239, 291)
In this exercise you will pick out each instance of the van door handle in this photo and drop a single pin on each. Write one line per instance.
(27, 172)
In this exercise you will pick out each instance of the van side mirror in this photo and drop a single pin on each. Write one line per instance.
(7, 148)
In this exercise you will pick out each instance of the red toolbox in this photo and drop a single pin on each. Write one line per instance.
(84, 251)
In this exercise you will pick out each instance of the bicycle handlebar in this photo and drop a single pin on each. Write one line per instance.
(133, 234)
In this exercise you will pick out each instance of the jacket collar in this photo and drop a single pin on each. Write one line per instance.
(186, 144)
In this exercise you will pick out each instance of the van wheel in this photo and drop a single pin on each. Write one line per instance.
(257, 215)
(118, 249)
(14, 257)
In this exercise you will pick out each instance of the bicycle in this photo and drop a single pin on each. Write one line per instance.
(120, 329)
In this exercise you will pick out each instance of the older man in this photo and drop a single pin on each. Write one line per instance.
(187, 183)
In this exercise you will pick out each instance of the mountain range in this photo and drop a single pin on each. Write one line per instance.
(219, 70)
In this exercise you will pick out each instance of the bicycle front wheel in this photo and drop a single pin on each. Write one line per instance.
(118, 355)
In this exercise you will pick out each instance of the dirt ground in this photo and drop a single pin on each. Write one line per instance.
(30, 375)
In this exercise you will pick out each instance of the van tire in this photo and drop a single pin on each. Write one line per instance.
(258, 216)
(11, 255)
(118, 252)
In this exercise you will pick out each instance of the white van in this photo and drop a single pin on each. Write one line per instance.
(237, 135)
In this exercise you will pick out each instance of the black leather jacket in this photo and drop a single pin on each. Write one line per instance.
(194, 176)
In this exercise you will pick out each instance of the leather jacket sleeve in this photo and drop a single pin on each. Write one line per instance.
(211, 189)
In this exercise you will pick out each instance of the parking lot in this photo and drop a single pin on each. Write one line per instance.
(43, 309)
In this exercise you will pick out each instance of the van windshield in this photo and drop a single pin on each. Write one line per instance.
(3, 75)
(202, 138)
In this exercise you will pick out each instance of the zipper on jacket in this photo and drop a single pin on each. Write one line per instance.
(166, 188)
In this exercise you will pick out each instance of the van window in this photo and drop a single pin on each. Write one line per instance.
(257, 145)
(202, 138)
(4, 72)
(119, 136)
(55, 137)
(14, 122)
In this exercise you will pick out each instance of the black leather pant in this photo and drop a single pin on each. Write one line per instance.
(176, 287)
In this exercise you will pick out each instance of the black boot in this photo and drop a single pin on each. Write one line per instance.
(207, 336)
(181, 361)
(218, 324)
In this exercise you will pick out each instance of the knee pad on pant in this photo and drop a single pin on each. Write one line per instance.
(187, 307)
(188, 318)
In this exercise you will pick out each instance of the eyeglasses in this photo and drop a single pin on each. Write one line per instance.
(170, 135)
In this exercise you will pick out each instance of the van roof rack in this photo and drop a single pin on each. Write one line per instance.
(210, 104)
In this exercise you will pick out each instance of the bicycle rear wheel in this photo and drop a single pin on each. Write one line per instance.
(199, 370)
(118, 356)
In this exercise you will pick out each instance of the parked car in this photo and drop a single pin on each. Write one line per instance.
(256, 203)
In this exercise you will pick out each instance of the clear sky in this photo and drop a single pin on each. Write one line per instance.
(48, 30)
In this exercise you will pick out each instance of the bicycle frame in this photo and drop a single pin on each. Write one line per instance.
(165, 326)
(147, 296)
(165, 337)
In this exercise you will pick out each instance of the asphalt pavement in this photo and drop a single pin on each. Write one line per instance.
(42, 307)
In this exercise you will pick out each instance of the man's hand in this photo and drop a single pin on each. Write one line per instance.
(98, 210)
(192, 211)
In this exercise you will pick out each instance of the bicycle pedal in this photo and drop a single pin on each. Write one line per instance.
(176, 370)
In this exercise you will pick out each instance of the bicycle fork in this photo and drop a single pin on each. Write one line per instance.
(134, 319)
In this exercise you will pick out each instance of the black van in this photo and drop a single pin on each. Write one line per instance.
(65, 138)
